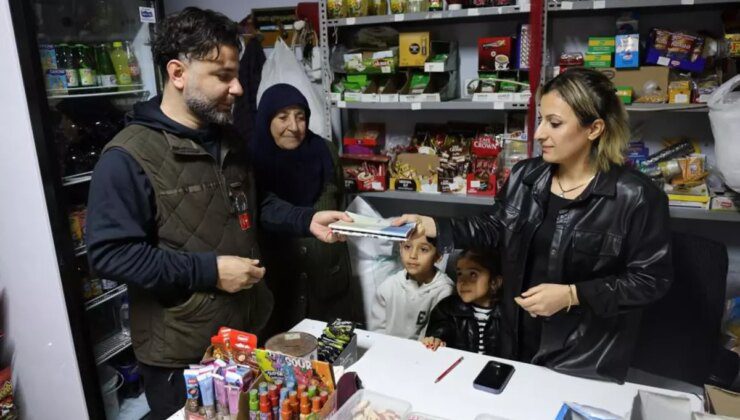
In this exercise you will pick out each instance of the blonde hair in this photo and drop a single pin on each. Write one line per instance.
(592, 96)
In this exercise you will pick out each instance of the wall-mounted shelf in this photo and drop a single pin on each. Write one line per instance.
(627, 4)
(106, 349)
(77, 179)
(442, 15)
(453, 105)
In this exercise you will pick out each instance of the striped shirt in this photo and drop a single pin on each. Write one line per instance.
(482, 315)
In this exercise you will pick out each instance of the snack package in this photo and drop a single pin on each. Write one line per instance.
(482, 178)
(336, 8)
(676, 50)
(494, 53)
(415, 172)
(454, 162)
(275, 365)
(365, 172)
(486, 144)
(7, 406)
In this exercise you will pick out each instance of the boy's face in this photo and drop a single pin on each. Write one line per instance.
(418, 255)
(474, 283)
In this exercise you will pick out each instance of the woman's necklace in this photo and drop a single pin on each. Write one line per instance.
(564, 191)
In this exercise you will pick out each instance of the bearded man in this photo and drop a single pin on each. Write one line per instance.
(173, 213)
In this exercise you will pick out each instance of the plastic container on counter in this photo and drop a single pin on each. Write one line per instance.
(365, 401)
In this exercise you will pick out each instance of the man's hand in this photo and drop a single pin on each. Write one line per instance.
(236, 273)
(546, 299)
(320, 225)
(424, 225)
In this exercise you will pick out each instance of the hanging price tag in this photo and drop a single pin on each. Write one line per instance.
(498, 105)
(687, 2)
(599, 4)
(566, 5)
(415, 106)
(350, 21)
(399, 17)
(473, 12)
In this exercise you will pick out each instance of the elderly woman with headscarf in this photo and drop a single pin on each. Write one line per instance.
(308, 278)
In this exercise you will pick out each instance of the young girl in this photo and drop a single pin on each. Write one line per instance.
(470, 320)
(404, 301)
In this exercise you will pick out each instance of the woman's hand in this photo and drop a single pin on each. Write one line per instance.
(433, 343)
(320, 225)
(547, 299)
(424, 225)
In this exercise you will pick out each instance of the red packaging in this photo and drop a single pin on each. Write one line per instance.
(365, 172)
(482, 180)
(242, 338)
(486, 145)
(366, 134)
(495, 53)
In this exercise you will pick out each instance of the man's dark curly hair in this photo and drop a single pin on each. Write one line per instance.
(194, 33)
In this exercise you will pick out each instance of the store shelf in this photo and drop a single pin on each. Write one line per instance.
(627, 4)
(433, 198)
(436, 16)
(80, 251)
(456, 104)
(667, 107)
(105, 297)
(111, 347)
(676, 212)
(701, 214)
(77, 179)
(59, 95)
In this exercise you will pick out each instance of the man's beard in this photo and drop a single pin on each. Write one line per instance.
(206, 110)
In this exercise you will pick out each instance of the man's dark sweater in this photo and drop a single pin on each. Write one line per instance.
(121, 224)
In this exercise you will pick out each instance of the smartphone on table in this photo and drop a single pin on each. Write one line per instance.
(494, 377)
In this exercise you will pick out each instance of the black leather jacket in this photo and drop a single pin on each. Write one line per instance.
(453, 321)
(613, 243)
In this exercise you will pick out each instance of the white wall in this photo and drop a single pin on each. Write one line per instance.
(45, 370)
(236, 10)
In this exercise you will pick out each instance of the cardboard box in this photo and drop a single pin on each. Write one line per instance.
(624, 93)
(627, 53)
(495, 53)
(364, 172)
(601, 44)
(348, 356)
(675, 50)
(679, 92)
(450, 49)
(597, 60)
(721, 401)
(414, 48)
(637, 78)
(441, 87)
(415, 172)
(371, 62)
(366, 134)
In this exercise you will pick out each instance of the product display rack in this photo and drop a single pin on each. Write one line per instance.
(477, 15)
(84, 118)
(627, 4)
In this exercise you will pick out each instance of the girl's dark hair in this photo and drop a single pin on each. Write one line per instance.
(488, 259)
(194, 33)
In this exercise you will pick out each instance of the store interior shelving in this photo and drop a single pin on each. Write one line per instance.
(105, 297)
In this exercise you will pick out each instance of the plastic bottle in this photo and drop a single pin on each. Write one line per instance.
(436, 5)
(265, 409)
(305, 407)
(285, 412)
(133, 64)
(120, 65)
(125, 318)
(254, 405)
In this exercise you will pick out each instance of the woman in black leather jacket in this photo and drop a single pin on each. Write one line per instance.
(584, 240)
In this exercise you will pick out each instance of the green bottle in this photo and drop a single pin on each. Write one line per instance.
(106, 74)
(84, 67)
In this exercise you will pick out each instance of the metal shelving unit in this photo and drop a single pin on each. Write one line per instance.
(109, 348)
(453, 105)
(627, 4)
(443, 15)
(105, 297)
(135, 90)
(708, 215)
(77, 179)
(80, 250)
(667, 108)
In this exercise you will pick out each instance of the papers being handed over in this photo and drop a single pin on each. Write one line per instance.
(373, 227)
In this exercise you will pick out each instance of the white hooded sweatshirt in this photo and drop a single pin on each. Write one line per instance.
(402, 306)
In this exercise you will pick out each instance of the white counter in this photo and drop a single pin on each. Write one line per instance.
(406, 369)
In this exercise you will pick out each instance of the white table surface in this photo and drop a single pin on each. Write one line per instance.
(406, 369)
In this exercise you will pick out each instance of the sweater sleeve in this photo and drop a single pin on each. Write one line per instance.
(378, 313)
(121, 232)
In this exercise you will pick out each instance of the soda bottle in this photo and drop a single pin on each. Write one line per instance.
(133, 64)
(120, 65)
(85, 67)
(65, 61)
(106, 74)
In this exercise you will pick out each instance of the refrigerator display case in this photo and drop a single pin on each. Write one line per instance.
(85, 63)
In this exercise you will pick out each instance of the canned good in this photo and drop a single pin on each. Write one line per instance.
(56, 81)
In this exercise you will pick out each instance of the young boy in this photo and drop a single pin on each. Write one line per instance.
(471, 319)
(404, 301)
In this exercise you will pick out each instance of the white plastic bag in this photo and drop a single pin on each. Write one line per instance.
(373, 260)
(724, 116)
(283, 67)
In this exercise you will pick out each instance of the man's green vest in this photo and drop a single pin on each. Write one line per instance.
(195, 199)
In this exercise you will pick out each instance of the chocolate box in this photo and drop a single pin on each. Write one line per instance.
(495, 53)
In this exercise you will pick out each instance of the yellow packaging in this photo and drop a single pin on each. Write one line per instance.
(398, 6)
(414, 49)
(734, 44)
(336, 9)
(679, 92)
